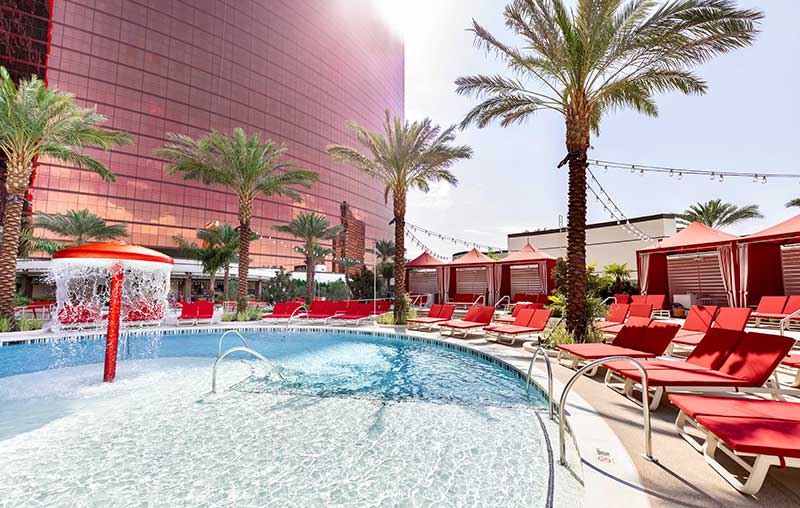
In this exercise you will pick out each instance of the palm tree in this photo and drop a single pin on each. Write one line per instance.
(384, 250)
(79, 226)
(793, 203)
(716, 214)
(226, 240)
(588, 61)
(208, 256)
(311, 228)
(619, 272)
(405, 156)
(39, 122)
(247, 167)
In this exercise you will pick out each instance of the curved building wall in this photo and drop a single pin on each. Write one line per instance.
(295, 70)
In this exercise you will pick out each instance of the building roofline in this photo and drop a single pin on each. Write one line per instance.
(594, 226)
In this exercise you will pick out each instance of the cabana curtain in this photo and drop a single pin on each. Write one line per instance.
(727, 270)
(744, 272)
(644, 267)
(441, 282)
(446, 282)
(498, 281)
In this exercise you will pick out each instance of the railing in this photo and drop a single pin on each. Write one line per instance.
(785, 321)
(562, 421)
(612, 299)
(242, 349)
(496, 305)
(294, 313)
(550, 402)
(230, 332)
(481, 298)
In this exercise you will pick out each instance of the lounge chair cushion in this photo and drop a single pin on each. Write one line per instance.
(597, 351)
(732, 318)
(759, 436)
(700, 318)
(696, 405)
(756, 356)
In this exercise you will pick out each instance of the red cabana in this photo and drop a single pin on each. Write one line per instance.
(697, 264)
(424, 275)
(769, 262)
(471, 274)
(528, 271)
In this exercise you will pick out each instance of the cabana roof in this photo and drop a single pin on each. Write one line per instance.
(473, 258)
(786, 229)
(424, 260)
(527, 254)
(693, 235)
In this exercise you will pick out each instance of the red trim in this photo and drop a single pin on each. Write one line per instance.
(113, 250)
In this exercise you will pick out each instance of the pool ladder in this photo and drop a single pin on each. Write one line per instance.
(563, 425)
(243, 349)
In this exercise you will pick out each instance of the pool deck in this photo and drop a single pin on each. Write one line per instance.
(609, 433)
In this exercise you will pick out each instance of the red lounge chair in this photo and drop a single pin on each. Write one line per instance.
(188, 314)
(622, 298)
(767, 431)
(657, 301)
(319, 310)
(529, 322)
(793, 362)
(514, 313)
(725, 360)
(638, 299)
(146, 313)
(636, 310)
(636, 339)
(477, 317)
(617, 312)
(729, 318)
(439, 313)
(205, 312)
(79, 316)
(282, 310)
(356, 314)
(697, 323)
(770, 308)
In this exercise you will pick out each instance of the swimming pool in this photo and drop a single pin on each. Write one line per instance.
(360, 420)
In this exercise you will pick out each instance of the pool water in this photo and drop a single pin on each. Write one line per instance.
(359, 421)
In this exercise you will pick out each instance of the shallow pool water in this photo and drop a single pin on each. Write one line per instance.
(359, 421)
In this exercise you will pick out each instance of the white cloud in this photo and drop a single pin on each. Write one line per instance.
(437, 198)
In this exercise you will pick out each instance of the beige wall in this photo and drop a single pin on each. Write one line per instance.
(606, 243)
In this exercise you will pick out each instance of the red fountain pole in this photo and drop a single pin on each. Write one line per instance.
(112, 335)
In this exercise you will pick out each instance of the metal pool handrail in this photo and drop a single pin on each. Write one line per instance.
(562, 421)
(501, 301)
(244, 350)
(480, 298)
(550, 402)
(612, 299)
(785, 321)
(294, 313)
(234, 332)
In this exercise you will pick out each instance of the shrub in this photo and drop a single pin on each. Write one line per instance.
(362, 284)
(26, 325)
(336, 290)
(228, 316)
(248, 315)
(282, 287)
(6, 325)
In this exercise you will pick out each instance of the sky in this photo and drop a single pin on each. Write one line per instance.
(748, 121)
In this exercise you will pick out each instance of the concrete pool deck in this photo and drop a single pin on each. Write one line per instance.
(608, 430)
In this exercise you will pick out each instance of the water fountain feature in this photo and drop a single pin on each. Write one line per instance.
(132, 280)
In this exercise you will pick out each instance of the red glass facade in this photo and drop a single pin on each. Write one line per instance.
(295, 70)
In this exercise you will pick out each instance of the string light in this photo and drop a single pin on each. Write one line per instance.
(644, 168)
(611, 207)
(434, 234)
(416, 241)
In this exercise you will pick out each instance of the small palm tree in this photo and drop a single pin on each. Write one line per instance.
(226, 240)
(247, 167)
(311, 228)
(620, 273)
(208, 257)
(793, 203)
(404, 156)
(39, 122)
(716, 214)
(77, 227)
(589, 60)
(384, 250)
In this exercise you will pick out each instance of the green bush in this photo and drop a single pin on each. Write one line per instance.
(6, 325)
(281, 288)
(26, 325)
(362, 284)
(336, 290)
(228, 316)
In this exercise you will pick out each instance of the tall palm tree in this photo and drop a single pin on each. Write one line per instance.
(599, 56)
(311, 228)
(716, 214)
(39, 122)
(793, 203)
(77, 227)
(247, 167)
(384, 250)
(404, 156)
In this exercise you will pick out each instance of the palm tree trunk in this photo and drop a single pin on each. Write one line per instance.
(400, 310)
(577, 145)
(244, 260)
(212, 281)
(310, 289)
(12, 222)
(225, 280)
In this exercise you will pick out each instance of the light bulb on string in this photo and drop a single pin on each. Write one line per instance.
(755, 178)
(720, 178)
(680, 175)
(764, 180)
